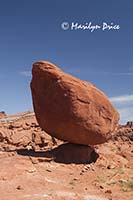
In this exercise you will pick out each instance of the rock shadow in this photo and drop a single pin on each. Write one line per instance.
(66, 153)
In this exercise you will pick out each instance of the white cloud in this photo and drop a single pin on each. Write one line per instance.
(25, 73)
(122, 99)
(126, 114)
(93, 71)
(117, 73)
(123, 74)
(124, 105)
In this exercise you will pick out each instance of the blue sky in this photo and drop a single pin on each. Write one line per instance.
(30, 30)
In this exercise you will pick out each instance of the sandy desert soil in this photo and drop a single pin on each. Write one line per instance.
(35, 166)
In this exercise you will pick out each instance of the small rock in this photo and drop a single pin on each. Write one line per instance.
(45, 159)
(10, 126)
(4, 178)
(19, 187)
(122, 181)
(87, 167)
(90, 166)
(48, 170)
(34, 160)
(101, 187)
(31, 170)
(38, 138)
(110, 167)
(71, 173)
(25, 127)
(75, 179)
(29, 147)
(108, 191)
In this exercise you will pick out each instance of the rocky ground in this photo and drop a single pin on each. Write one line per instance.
(35, 166)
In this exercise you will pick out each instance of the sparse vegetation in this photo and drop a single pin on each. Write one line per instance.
(108, 178)
(101, 179)
(127, 185)
(113, 149)
(72, 183)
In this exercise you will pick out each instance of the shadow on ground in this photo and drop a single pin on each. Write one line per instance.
(65, 153)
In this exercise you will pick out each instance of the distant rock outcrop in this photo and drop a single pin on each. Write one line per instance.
(71, 109)
(2, 114)
(129, 124)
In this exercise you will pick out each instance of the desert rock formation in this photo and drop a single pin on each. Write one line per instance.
(71, 109)
(2, 114)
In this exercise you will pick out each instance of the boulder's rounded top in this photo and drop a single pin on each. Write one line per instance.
(44, 66)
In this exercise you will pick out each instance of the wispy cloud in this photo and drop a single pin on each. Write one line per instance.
(116, 73)
(103, 73)
(131, 69)
(122, 99)
(124, 105)
(126, 114)
(25, 73)
(94, 71)
(123, 74)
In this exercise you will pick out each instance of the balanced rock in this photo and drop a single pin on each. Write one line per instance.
(71, 109)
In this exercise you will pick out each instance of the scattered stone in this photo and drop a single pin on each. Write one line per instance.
(10, 126)
(4, 179)
(16, 125)
(38, 138)
(15, 135)
(122, 181)
(75, 179)
(45, 159)
(89, 167)
(108, 191)
(31, 171)
(124, 133)
(29, 147)
(70, 109)
(101, 187)
(19, 187)
(110, 167)
(34, 160)
(48, 170)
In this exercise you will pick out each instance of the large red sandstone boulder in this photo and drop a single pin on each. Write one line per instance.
(71, 109)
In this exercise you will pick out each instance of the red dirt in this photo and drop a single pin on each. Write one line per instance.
(35, 166)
